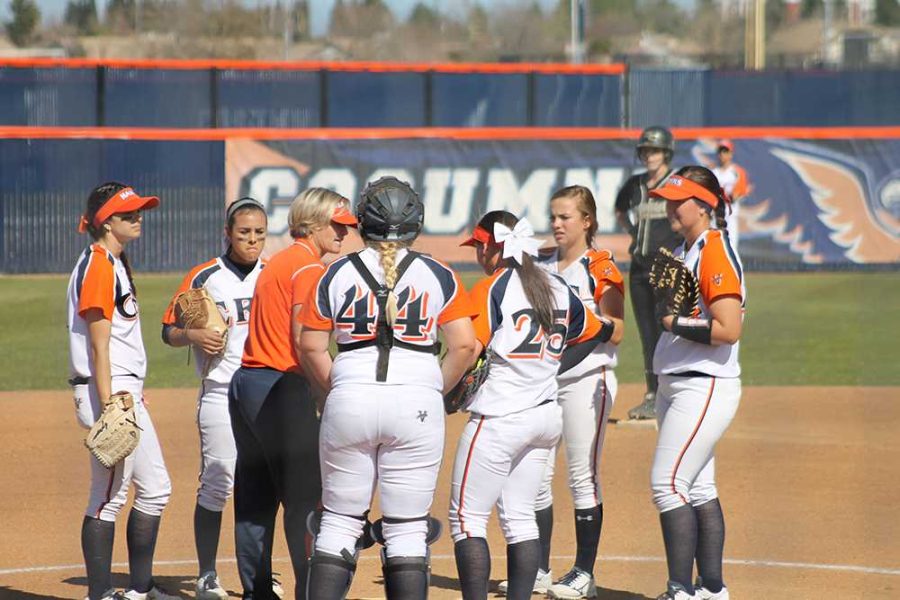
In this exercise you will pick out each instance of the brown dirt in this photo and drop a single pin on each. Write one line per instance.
(808, 478)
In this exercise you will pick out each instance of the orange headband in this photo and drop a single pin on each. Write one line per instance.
(678, 189)
(123, 201)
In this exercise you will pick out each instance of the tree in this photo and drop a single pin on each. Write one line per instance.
(887, 13)
(25, 19)
(424, 16)
(82, 15)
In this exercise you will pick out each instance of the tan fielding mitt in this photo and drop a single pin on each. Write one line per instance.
(195, 309)
(116, 434)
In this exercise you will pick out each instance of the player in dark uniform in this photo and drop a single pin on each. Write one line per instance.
(644, 218)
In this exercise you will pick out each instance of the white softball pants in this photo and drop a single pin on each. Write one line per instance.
(218, 453)
(586, 404)
(144, 467)
(693, 414)
(501, 460)
(391, 435)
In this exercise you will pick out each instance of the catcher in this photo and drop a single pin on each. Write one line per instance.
(525, 319)
(107, 354)
(696, 360)
(222, 285)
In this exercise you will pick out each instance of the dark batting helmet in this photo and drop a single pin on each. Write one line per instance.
(389, 210)
(657, 137)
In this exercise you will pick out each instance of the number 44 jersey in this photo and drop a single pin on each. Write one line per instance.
(526, 358)
(429, 294)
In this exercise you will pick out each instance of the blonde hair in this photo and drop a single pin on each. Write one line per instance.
(586, 205)
(312, 209)
(387, 252)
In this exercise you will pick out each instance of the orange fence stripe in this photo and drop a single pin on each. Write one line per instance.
(457, 133)
(255, 65)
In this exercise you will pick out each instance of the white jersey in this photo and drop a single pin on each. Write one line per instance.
(100, 280)
(525, 358)
(719, 272)
(232, 292)
(588, 277)
(429, 294)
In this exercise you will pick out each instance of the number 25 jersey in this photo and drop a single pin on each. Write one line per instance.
(429, 294)
(525, 357)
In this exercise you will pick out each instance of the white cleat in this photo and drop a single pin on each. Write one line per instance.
(276, 587)
(574, 584)
(676, 591)
(542, 583)
(155, 593)
(208, 587)
(701, 593)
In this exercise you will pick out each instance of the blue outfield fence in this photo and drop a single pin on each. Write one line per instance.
(44, 185)
(816, 203)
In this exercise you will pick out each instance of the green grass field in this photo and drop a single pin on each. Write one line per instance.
(800, 329)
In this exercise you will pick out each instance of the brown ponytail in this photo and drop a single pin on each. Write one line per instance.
(708, 179)
(535, 281)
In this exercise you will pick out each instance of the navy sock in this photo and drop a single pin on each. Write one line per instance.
(588, 523)
(544, 518)
(473, 562)
(710, 544)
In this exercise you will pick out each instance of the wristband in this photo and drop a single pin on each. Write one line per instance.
(607, 328)
(696, 330)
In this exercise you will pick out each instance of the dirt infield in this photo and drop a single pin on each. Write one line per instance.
(808, 478)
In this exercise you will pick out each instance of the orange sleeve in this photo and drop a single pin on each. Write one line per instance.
(98, 286)
(311, 315)
(719, 275)
(583, 323)
(481, 305)
(605, 272)
(742, 185)
(304, 281)
(460, 306)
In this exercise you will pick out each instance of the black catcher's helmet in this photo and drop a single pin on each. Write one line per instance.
(389, 210)
(657, 137)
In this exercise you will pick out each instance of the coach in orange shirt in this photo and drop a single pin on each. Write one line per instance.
(273, 412)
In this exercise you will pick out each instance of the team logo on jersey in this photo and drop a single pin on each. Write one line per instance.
(126, 305)
(717, 279)
(423, 414)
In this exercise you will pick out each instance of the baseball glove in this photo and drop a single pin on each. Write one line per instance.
(116, 433)
(675, 288)
(462, 393)
(195, 309)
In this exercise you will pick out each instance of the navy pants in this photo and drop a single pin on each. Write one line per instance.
(276, 430)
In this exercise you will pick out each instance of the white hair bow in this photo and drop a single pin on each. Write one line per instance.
(518, 240)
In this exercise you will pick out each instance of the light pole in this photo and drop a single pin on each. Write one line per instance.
(577, 26)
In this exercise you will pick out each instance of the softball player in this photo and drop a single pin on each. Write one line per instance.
(525, 317)
(273, 413)
(733, 179)
(699, 389)
(107, 355)
(586, 392)
(643, 216)
(230, 280)
(383, 419)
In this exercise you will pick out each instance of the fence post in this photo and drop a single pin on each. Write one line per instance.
(428, 94)
(624, 95)
(214, 97)
(100, 106)
(530, 98)
(323, 97)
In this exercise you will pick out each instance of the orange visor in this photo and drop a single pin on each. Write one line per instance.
(678, 189)
(479, 236)
(343, 216)
(124, 201)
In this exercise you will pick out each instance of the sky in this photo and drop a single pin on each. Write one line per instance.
(321, 9)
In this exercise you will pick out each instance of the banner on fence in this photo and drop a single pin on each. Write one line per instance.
(814, 202)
